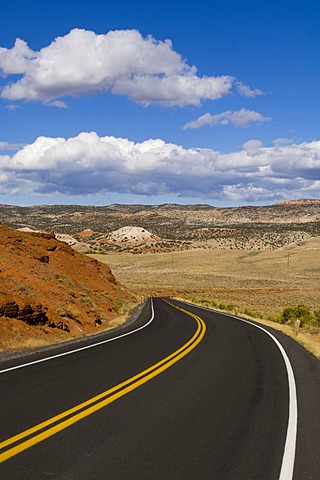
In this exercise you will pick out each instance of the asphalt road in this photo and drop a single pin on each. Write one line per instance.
(192, 395)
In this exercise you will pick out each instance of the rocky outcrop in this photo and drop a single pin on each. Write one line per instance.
(44, 259)
(32, 315)
(61, 325)
(9, 310)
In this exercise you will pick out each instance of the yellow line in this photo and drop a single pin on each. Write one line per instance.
(66, 413)
(124, 388)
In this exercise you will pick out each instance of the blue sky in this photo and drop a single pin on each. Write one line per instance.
(225, 113)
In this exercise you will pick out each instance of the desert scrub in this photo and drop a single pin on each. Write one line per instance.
(24, 289)
(300, 312)
(205, 302)
(117, 305)
(317, 316)
(222, 306)
(232, 308)
(65, 280)
(69, 312)
(86, 301)
(250, 313)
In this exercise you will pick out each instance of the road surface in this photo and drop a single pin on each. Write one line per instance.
(184, 393)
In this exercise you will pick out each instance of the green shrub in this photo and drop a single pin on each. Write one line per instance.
(300, 312)
(117, 305)
(86, 301)
(250, 313)
(213, 303)
(24, 289)
(231, 307)
(317, 316)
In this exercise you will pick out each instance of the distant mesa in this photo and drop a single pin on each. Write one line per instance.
(132, 235)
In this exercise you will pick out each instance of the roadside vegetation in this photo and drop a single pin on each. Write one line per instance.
(288, 316)
(307, 332)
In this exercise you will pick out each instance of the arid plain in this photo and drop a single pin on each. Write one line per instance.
(258, 284)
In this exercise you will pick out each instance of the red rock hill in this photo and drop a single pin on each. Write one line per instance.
(49, 292)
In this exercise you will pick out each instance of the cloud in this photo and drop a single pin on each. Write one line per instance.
(13, 106)
(252, 147)
(176, 90)
(123, 62)
(89, 164)
(17, 59)
(282, 141)
(11, 146)
(58, 104)
(246, 91)
(239, 118)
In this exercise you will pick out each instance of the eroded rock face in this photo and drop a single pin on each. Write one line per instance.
(62, 325)
(32, 315)
(44, 258)
(9, 309)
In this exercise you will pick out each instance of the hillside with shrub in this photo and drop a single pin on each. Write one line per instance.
(49, 292)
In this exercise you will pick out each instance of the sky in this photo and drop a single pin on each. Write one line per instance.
(148, 102)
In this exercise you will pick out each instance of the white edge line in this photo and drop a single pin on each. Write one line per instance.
(288, 459)
(69, 352)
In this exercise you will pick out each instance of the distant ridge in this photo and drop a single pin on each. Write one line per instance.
(300, 201)
(203, 226)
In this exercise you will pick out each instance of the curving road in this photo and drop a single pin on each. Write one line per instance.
(184, 393)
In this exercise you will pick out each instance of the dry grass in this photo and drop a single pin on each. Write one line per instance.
(259, 283)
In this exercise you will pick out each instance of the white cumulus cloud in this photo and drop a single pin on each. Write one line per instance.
(17, 59)
(252, 147)
(122, 62)
(89, 164)
(238, 118)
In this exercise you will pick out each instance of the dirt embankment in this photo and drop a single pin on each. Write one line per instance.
(50, 293)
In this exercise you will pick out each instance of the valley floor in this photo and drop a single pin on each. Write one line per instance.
(254, 283)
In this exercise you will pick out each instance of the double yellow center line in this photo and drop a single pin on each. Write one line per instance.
(24, 440)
